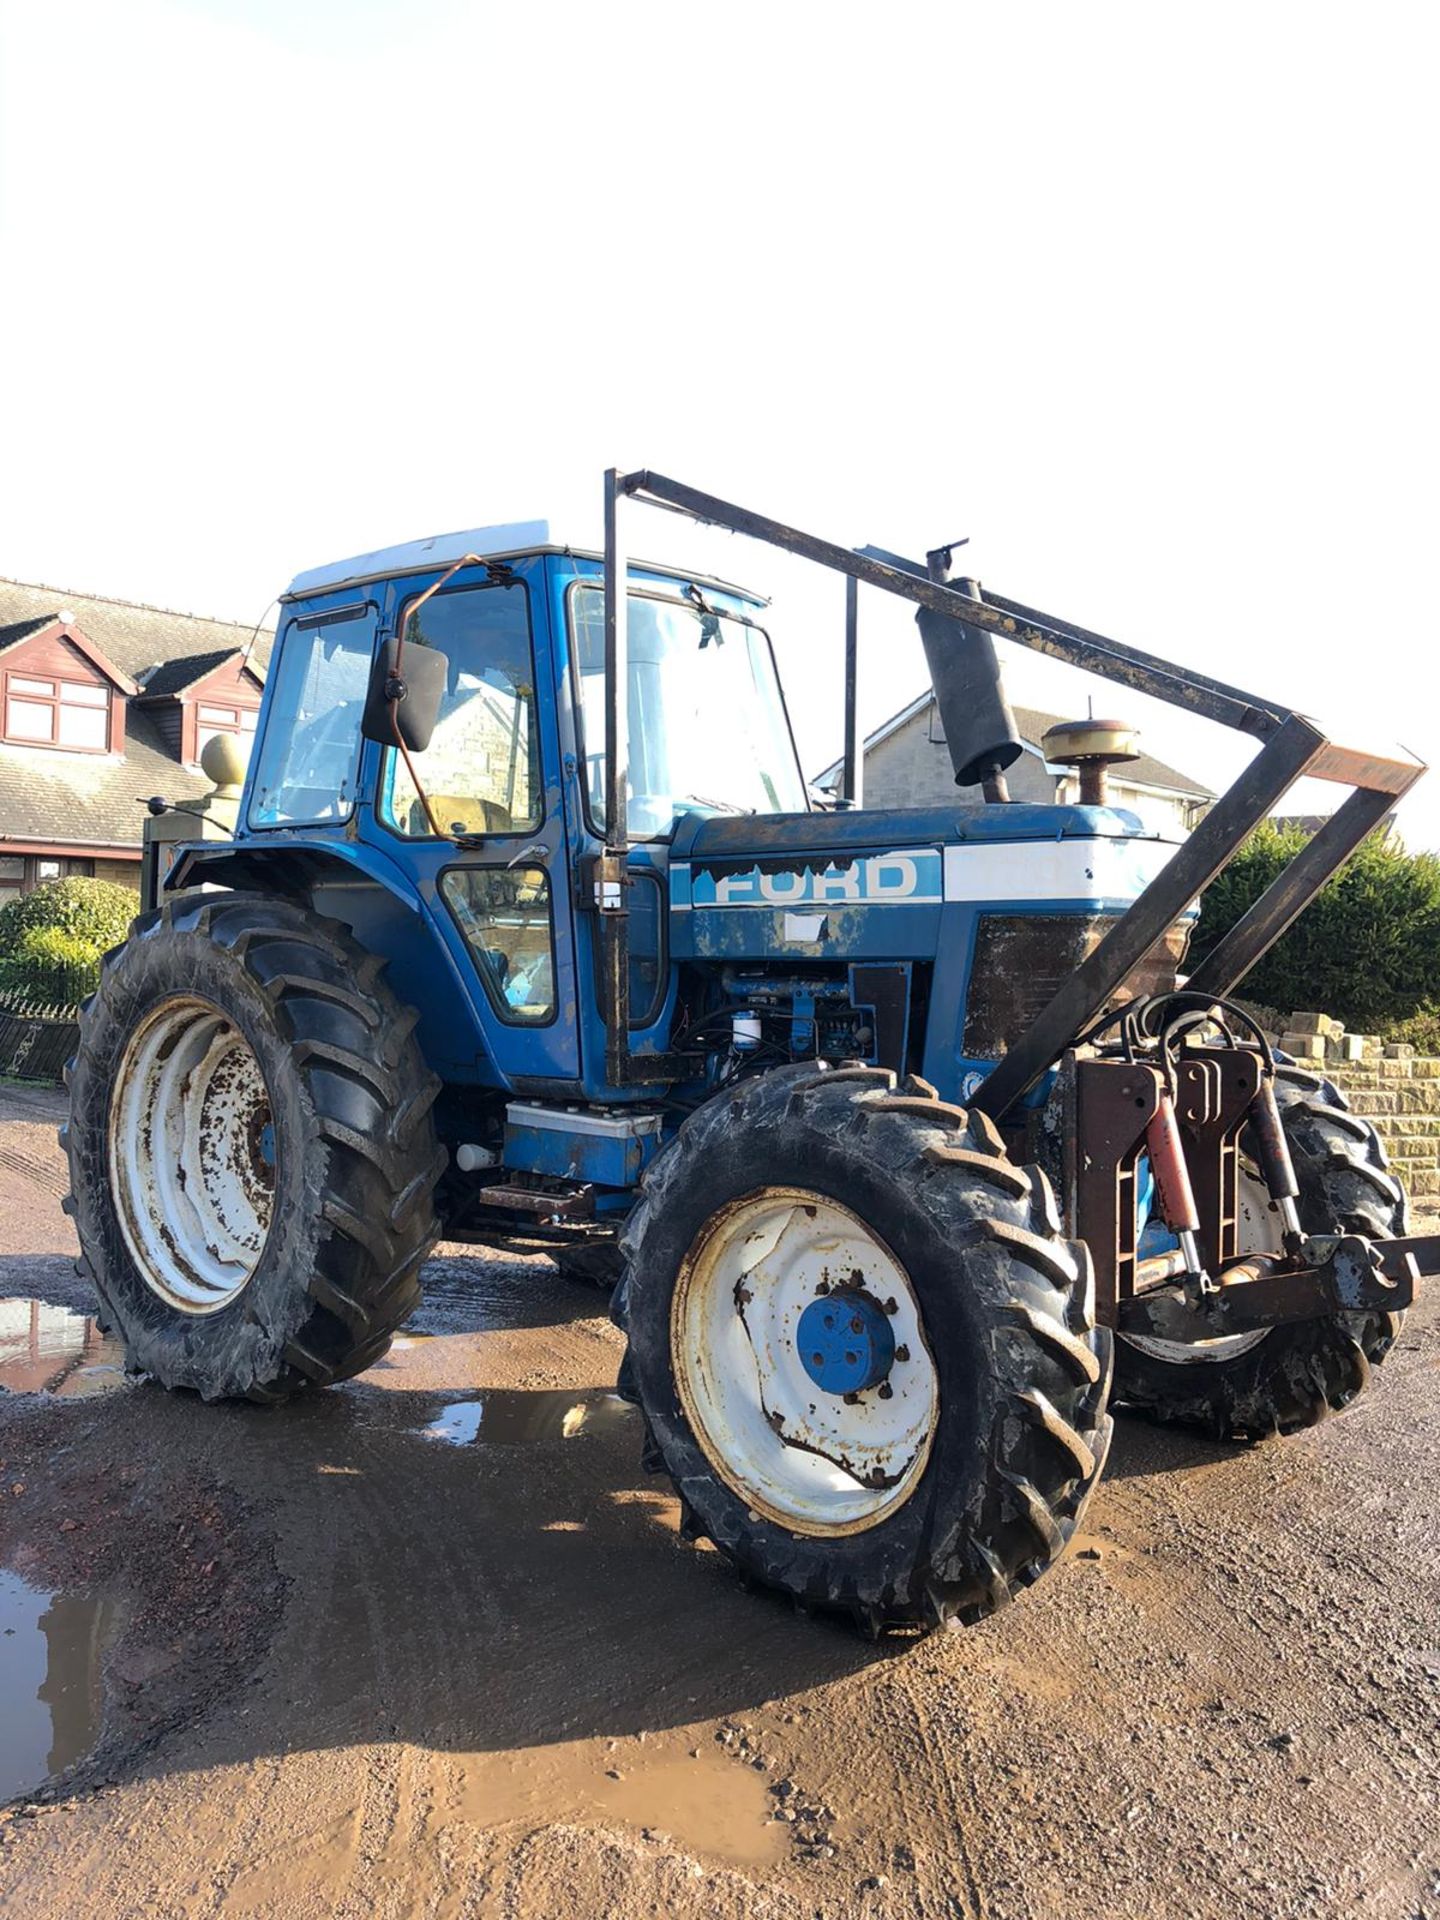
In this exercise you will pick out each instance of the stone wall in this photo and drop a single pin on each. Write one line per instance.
(1400, 1094)
(911, 768)
(125, 873)
(1395, 1088)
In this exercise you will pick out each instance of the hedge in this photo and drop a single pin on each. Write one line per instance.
(52, 940)
(1366, 950)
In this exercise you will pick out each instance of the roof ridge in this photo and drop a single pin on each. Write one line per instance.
(135, 606)
(926, 697)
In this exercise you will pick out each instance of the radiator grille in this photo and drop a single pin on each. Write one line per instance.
(1023, 959)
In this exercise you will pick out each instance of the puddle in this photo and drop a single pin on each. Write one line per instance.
(45, 1349)
(509, 1417)
(711, 1804)
(51, 1646)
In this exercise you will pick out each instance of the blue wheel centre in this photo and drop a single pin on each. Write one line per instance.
(845, 1342)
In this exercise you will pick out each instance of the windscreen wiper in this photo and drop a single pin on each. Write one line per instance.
(716, 806)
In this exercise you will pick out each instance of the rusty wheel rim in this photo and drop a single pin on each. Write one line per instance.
(192, 1155)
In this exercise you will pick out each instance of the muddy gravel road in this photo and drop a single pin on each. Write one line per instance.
(430, 1645)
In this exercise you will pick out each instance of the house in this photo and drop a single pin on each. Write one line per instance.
(907, 765)
(102, 704)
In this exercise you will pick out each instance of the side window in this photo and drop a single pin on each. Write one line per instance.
(504, 914)
(648, 973)
(481, 769)
(311, 750)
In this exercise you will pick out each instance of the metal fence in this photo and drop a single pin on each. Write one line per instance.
(36, 1046)
(48, 987)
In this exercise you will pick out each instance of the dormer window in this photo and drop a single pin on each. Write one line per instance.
(212, 720)
(72, 714)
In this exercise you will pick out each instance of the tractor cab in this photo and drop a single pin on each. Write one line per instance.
(462, 858)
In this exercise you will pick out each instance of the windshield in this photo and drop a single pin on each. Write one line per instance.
(707, 726)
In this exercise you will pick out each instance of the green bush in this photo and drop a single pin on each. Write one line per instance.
(1421, 1031)
(1367, 949)
(96, 911)
(52, 940)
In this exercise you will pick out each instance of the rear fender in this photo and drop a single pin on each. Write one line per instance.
(387, 916)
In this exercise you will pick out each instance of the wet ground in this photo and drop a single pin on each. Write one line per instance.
(429, 1644)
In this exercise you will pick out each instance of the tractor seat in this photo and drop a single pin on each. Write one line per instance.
(476, 814)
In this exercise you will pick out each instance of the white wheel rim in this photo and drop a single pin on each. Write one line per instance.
(1258, 1231)
(812, 1461)
(192, 1155)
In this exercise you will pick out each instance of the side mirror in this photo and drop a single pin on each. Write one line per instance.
(405, 692)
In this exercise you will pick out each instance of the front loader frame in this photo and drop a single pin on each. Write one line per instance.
(1292, 746)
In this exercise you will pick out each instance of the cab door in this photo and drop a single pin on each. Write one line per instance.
(490, 775)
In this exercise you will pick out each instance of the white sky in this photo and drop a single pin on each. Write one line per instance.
(1140, 297)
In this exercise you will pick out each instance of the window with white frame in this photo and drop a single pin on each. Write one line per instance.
(214, 718)
(44, 712)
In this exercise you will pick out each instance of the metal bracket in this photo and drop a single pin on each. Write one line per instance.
(1214, 1089)
(1111, 1103)
(1341, 1274)
(609, 877)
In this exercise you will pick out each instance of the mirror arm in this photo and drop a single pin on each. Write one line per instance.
(395, 690)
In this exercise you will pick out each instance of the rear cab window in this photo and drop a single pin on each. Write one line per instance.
(309, 759)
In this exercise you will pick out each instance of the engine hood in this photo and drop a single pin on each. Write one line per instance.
(846, 886)
(723, 836)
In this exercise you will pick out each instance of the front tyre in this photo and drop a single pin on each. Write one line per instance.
(864, 1354)
(252, 1156)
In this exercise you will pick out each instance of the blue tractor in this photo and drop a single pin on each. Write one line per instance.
(897, 1130)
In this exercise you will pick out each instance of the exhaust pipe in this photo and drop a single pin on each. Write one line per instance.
(970, 695)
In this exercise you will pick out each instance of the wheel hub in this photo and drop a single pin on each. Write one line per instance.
(820, 1425)
(846, 1343)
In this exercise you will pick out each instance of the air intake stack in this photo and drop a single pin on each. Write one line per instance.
(1092, 747)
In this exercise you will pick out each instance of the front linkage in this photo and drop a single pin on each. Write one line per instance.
(1184, 1100)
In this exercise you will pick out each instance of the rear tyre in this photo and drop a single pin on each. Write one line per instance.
(1292, 1376)
(808, 1190)
(251, 1150)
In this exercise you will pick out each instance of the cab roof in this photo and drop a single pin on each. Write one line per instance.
(508, 541)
